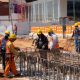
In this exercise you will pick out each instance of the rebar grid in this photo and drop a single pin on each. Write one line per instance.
(60, 66)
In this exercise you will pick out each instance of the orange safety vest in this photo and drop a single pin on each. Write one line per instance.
(8, 49)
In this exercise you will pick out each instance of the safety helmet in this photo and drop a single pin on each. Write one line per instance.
(12, 36)
(39, 32)
(7, 32)
(77, 24)
(50, 30)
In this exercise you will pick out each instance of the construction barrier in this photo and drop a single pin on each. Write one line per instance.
(59, 65)
(56, 28)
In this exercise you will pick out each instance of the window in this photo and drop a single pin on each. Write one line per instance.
(4, 8)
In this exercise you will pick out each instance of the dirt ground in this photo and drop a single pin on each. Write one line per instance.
(66, 44)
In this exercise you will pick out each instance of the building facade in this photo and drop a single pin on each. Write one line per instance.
(47, 10)
(52, 10)
(73, 8)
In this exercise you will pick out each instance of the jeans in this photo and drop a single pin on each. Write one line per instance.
(3, 59)
(77, 45)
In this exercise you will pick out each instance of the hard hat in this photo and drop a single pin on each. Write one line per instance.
(12, 36)
(76, 24)
(39, 32)
(50, 30)
(7, 32)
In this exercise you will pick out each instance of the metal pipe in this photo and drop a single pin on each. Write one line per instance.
(10, 16)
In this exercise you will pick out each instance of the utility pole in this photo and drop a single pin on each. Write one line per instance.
(64, 26)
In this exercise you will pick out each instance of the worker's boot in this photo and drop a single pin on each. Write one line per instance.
(1, 74)
(17, 75)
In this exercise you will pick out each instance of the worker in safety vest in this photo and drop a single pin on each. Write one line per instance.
(53, 40)
(3, 47)
(76, 35)
(15, 29)
(10, 51)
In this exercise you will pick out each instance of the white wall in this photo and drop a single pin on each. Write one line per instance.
(5, 19)
(23, 28)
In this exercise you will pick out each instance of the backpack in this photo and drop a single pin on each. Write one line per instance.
(3, 44)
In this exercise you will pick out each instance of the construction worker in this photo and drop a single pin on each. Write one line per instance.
(3, 47)
(42, 45)
(15, 29)
(10, 51)
(53, 40)
(76, 35)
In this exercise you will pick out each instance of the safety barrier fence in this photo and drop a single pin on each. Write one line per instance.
(59, 65)
(56, 28)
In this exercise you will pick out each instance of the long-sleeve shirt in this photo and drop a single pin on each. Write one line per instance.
(10, 49)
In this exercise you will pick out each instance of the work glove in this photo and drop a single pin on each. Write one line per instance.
(43, 46)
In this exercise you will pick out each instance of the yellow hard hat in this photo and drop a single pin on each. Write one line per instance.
(7, 32)
(76, 24)
(50, 30)
(12, 36)
(39, 32)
